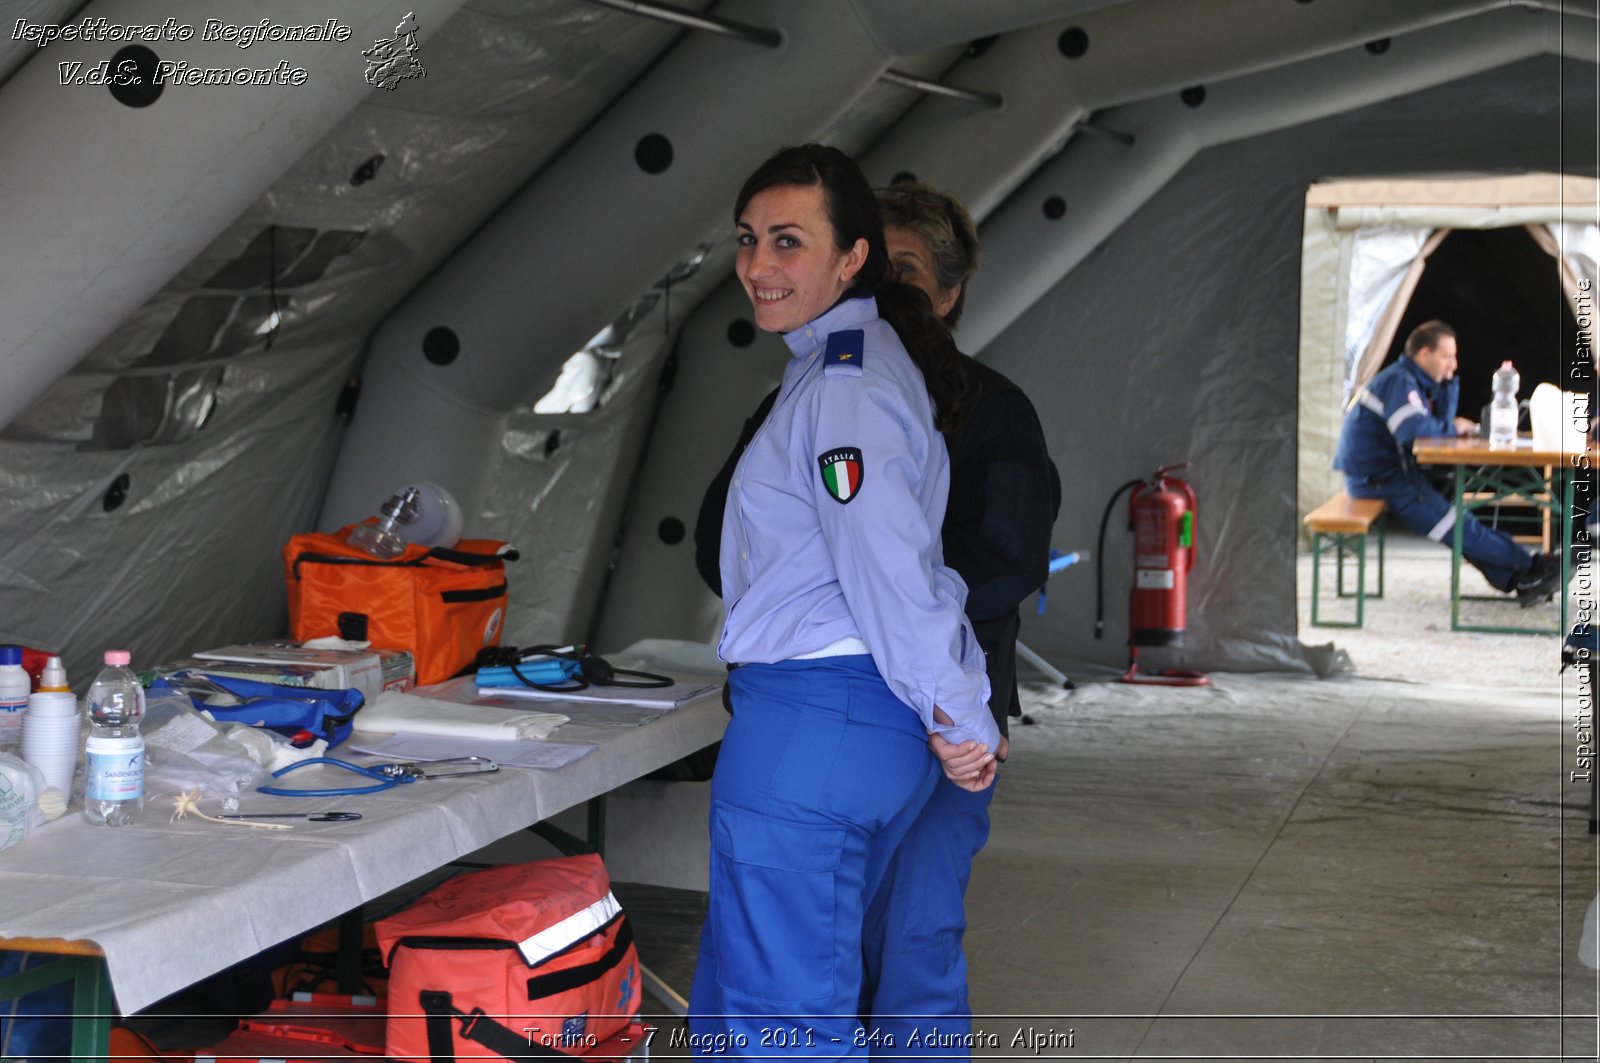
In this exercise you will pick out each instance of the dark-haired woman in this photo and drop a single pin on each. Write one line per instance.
(1004, 494)
(855, 656)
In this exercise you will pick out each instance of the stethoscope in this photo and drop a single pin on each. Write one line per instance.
(386, 776)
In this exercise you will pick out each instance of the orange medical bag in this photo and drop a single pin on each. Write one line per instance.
(510, 962)
(442, 605)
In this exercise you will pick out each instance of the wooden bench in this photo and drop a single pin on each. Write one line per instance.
(1344, 522)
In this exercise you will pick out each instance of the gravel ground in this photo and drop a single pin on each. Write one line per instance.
(1406, 634)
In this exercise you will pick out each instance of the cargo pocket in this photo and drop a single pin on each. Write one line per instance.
(773, 905)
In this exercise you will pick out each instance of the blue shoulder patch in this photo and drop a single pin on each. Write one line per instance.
(846, 352)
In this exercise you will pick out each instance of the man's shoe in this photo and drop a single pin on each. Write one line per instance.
(1541, 582)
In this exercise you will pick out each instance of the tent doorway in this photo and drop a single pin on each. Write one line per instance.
(1504, 261)
(1502, 294)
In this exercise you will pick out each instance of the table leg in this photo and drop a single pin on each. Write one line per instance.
(1494, 484)
(570, 843)
(92, 1008)
(351, 963)
(1455, 552)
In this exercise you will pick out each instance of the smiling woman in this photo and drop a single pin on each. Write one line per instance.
(787, 262)
(854, 657)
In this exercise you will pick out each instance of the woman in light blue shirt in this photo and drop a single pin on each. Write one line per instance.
(859, 678)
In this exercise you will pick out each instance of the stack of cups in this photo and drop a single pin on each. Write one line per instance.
(50, 743)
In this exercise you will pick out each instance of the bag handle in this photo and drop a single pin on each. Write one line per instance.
(475, 1026)
(437, 553)
(463, 557)
(544, 985)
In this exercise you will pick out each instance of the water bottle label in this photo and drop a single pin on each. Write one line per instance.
(115, 776)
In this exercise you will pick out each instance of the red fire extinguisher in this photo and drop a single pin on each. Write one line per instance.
(1161, 513)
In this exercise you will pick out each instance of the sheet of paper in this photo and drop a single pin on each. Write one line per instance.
(669, 697)
(424, 748)
(596, 713)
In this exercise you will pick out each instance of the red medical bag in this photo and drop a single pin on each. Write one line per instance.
(355, 1024)
(510, 962)
(443, 605)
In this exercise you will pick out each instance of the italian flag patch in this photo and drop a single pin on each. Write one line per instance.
(842, 470)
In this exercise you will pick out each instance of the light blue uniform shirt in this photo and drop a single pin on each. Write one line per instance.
(832, 526)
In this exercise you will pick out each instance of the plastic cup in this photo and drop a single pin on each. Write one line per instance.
(50, 739)
(47, 746)
(56, 766)
(50, 730)
(52, 703)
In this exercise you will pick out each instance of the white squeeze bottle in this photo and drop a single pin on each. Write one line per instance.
(15, 686)
(114, 776)
(1503, 408)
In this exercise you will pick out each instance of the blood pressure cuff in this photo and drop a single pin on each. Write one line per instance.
(441, 605)
(291, 711)
(517, 962)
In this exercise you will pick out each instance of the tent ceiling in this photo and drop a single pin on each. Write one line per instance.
(528, 96)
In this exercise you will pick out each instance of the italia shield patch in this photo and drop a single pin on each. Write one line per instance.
(842, 470)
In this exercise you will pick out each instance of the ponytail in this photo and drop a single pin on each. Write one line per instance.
(931, 348)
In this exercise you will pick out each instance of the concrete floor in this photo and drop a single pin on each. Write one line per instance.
(1274, 867)
(1387, 864)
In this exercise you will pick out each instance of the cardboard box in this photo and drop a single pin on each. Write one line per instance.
(284, 662)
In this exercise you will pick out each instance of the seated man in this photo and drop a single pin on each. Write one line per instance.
(1416, 396)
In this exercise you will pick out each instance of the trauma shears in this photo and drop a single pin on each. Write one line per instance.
(313, 817)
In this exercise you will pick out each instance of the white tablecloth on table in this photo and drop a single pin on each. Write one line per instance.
(169, 903)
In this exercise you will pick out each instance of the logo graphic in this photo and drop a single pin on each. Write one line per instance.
(625, 994)
(842, 470)
(391, 61)
(572, 1030)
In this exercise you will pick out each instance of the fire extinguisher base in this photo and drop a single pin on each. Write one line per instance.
(1170, 677)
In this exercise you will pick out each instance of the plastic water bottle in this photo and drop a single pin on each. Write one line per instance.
(14, 689)
(1503, 409)
(114, 777)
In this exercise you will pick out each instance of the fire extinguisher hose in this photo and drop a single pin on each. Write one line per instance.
(1100, 560)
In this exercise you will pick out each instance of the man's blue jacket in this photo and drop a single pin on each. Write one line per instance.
(1395, 407)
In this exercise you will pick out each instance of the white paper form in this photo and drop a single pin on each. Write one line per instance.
(423, 748)
(681, 692)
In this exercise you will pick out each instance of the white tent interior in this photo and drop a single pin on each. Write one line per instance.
(280, 303)
(230, 313)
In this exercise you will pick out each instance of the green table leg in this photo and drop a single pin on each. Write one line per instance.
(1455, 551)
(92, 1006)
(1499, 483)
